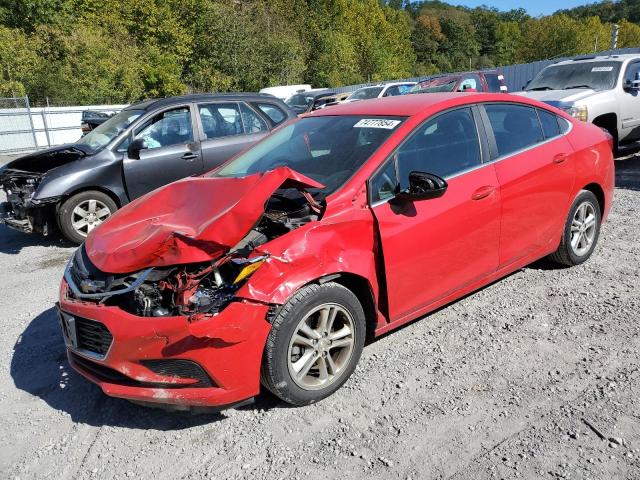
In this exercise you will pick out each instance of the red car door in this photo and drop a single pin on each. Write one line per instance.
(434, 247)
(535, 171)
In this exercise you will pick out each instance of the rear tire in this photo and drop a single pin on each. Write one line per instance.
(314, 345)
(82, 212)
(581, 231)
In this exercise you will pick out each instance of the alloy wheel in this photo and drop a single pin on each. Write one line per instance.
(321, 347)
(87, 215)
(583, 229)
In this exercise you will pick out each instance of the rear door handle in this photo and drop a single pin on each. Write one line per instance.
(560, 158)
(483, 192)
(189, 156)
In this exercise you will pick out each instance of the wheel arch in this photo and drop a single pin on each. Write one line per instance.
(88, 188)
(598, 191)
(608, 121)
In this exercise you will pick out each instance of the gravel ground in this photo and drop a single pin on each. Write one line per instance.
(501, 384)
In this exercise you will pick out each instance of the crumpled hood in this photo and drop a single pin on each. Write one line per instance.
(45, 160)
(554, 97)
(192, 220)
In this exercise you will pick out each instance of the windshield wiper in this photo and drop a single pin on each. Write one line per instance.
(539, 88)
(577, 86)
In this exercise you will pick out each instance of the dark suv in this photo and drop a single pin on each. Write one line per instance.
(146, 145)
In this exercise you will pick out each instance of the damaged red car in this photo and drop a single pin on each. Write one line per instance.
(276, 267)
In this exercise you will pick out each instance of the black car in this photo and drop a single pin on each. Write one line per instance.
(76, 187)
(303, 102)
(93, 118)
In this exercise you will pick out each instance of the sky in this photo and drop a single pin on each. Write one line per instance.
(533, 7)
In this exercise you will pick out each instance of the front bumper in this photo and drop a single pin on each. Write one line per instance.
(30, 219)
(228, 347)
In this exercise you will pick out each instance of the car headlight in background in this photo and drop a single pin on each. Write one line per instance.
(579, 112)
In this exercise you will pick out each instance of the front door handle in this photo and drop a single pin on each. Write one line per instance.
(189, 156)
(483, 192)
(560, 158)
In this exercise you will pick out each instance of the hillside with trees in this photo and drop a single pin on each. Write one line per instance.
(95, 51)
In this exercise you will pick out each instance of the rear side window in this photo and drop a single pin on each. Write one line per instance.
(220, 120)
(251, 121)
(550, 124)
(515, 127)
(276, 115)
(493, 82)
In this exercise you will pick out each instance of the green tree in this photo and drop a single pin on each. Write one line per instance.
(508, 43)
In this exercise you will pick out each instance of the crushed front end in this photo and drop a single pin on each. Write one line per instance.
(21, 211)
(176, 335)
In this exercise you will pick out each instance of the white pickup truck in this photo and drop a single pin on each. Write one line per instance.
(603, 90)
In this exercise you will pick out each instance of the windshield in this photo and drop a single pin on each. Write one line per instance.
(594, 75)
(366, 93)
(438, 85)
(327, 149)
(299, 100)
(99, 137)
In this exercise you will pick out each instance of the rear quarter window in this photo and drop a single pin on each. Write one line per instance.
(275, 114)
(550, 124)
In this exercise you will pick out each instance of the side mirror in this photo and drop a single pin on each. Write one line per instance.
(423, 186)
(632, 86)
(135, 147)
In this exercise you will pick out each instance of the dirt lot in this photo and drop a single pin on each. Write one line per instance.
(498, 385)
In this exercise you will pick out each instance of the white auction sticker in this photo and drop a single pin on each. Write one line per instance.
(377, 123)
(602, 69)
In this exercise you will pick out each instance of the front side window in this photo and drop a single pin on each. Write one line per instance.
(592, 75)
(633, 73)
(220, 120)
(328, 149)
(99, 137)
(384, 184)
(515, 127)
(445, 146)
(172, 127)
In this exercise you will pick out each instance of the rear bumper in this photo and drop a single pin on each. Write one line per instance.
(228, 347)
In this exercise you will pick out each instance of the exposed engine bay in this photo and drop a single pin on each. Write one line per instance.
(199, 288)
(19, 187)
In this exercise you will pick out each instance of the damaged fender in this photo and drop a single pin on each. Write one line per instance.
(345, 243)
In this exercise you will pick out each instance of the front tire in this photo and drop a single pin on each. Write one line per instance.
(581, 231)
(82, 212)
(314, 345)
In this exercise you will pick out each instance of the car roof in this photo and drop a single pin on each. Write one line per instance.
(599, 58)
(410, 105)
(198, 97)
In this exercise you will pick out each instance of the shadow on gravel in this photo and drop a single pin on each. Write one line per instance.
(39, 366)
(628, 172)
(12, 242)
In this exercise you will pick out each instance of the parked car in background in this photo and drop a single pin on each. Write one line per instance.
(303, 102)
(76, 187)
(378, 91)
(92, 118)
(484, 81)
(285, 91)
(343, 225)
(603, 90)
(333, 99)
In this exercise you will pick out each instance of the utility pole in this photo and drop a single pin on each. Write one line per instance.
(615, 29)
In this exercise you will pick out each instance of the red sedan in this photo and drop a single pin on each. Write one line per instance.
(276, 267)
